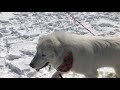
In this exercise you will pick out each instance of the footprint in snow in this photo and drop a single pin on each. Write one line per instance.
(27, 53)
(12, 57)
(1, 35)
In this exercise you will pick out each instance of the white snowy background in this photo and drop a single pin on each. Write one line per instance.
(19, 33)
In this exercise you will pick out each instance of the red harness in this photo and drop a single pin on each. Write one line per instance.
(67, 63)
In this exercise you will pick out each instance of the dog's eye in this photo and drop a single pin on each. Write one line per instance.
(43, 55)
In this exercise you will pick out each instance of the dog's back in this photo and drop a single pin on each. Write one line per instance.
(103, 51)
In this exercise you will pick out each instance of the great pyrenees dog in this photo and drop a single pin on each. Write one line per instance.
(77, 53)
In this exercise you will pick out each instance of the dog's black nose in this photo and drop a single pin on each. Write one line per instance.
(31, 65)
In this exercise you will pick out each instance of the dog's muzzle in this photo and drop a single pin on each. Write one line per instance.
(42, 66)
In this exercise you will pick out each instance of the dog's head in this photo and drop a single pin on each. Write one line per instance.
(46, 53)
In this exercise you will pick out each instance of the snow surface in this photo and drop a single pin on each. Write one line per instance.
(19, 33)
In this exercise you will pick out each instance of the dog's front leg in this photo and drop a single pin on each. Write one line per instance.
(57, 74)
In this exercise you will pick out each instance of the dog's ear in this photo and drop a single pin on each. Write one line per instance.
(53, 41)
(57, 46)
(60, 48)
(48, 42)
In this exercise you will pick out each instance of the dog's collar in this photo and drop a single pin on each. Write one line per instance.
(67, 63)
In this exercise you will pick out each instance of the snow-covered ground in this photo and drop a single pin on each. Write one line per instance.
(19, 32)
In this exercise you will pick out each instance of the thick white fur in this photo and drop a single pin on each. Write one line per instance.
(89, 52)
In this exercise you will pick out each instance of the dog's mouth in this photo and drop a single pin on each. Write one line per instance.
(42, 66)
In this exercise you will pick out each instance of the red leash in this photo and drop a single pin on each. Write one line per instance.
(79, 23)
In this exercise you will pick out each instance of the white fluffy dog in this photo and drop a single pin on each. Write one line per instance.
(80, 54)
